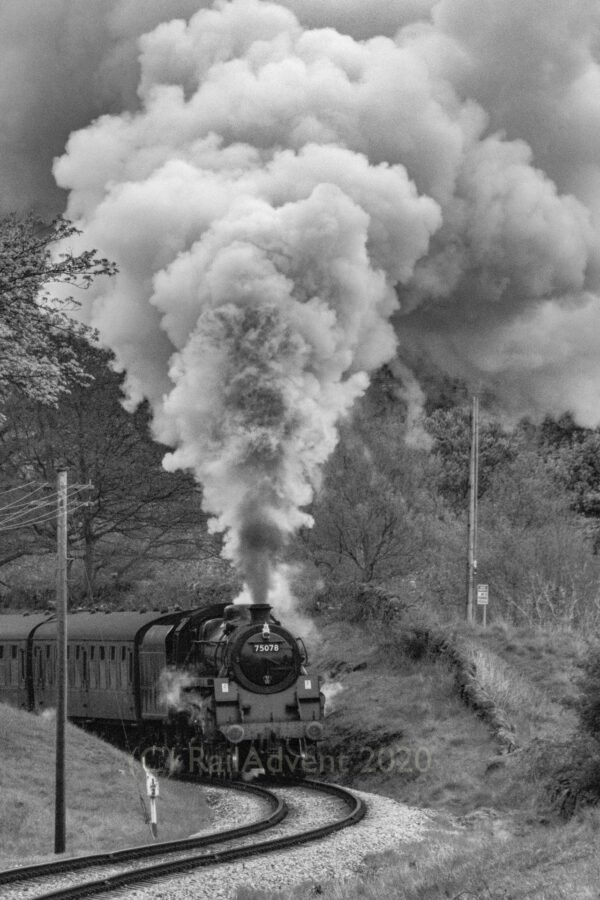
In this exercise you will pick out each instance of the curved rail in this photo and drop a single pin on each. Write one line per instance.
(147, 874)
(277, 811)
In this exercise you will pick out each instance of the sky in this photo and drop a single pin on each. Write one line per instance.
(298, 192)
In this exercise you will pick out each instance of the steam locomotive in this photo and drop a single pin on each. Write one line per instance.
(212, 688)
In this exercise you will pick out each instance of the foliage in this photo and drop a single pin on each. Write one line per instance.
(374, 512)
(450, 430)
(577, 450)
(36, 355)
(580, 464)
(134, 510)
(589, 704)
(561, 432)
(533, 549)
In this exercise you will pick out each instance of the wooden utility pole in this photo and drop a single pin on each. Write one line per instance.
(473, 480)
(61, 661)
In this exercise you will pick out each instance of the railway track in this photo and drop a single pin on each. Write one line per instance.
(127, 868)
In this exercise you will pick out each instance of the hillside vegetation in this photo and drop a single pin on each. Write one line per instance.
(516, 824)
(105, 794)
(401, 721)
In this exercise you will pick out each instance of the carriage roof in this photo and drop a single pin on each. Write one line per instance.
(18, 626)
(98, 626)
(102, 627)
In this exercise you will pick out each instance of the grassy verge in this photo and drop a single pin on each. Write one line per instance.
(104, 809)
(401, 725)
(389, 689)
(483, 862)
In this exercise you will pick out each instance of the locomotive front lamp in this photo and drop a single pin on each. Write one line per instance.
(235, 733)
(314, 731)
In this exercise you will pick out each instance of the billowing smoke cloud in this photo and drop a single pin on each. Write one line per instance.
(292, 189)
(66, 62)
(258, 255)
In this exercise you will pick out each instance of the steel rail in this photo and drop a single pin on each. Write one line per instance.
(148, 874)
(277, 812)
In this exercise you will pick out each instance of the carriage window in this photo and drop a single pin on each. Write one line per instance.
(13, 651)
(1, 652)
(47, 651)
(92, 652)
(123, 653)
(102, 652)
(113, 653)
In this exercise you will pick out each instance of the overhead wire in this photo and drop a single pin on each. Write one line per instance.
(27, 506)
(23, 499)
(33, 506)
(18, 487)
(47, 517)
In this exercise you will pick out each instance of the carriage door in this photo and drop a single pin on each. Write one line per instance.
(85, 677)
(153, 672)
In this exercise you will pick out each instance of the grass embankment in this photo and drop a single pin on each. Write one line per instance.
(399, 725)
(103, 791)
(478, 864)
(500, 833)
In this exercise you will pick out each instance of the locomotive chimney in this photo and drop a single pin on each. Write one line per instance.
(259, 613)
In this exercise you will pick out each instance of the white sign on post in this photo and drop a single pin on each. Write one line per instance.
(152, 785)
(482, 594)
(153, 792)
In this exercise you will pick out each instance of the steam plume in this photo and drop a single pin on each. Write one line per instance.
(258, 259)
(292, 189)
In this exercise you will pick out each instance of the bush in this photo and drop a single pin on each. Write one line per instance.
(570, 772)
(589, 704)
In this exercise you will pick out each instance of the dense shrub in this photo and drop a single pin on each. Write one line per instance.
(589, 705)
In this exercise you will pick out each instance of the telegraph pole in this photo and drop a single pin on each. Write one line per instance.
(473, 484)
(61, 661)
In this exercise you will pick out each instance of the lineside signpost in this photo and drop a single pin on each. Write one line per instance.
(153, 791)
(483, 596)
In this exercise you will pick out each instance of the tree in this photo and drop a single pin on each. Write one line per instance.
(374, 515)
(576, 451)
(560, 433)
(450, 430)
(37, 358)
(533, 548)
(134, 510)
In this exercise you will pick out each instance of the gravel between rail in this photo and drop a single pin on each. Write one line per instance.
(386, 826)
